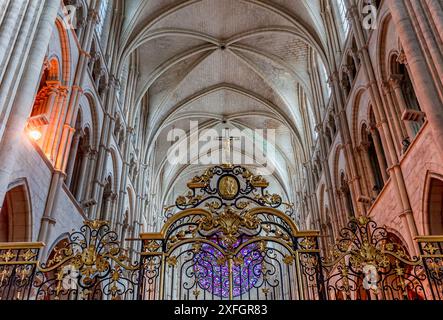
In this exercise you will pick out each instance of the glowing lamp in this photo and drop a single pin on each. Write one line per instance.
(35, 134)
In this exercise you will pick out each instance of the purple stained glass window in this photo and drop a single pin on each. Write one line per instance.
(214, 278)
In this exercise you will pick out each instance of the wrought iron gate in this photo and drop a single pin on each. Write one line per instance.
(91, 265)
(366, 263)
(229, 241)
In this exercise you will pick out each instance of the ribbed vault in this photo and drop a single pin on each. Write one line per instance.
(241, 64)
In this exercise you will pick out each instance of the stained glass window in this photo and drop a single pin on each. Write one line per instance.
(102, 16)
(325, 79)
(342, 11)
(212, 270)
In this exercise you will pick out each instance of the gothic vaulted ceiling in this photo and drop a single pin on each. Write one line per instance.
(244, 62)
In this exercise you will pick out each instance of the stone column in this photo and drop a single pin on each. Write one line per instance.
(425, 15)
(348, 71)
(23, 102)
(361, 167)
(63, 146)
(11, 15)
(395, 82)
(328, 178)
(82, 192)
(107, 129)
(48, 219)
(436, 13)
(82, 176)
(112, 210)
(63, 122)
(398, 131)
(356, 59)
(71, 163)
(367, 164)
(125, 172)
(53, 133)
(347, 142)
(379, 152)
(426, 91)
(308, 176)
(385, 134)
(18, 27)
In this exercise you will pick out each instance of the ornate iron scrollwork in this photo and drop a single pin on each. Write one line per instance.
(90, 266)
(228, 186)
(18, 264)
(229, 240)
(365, 263)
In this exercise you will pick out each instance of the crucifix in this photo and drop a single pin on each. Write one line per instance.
(226, 145)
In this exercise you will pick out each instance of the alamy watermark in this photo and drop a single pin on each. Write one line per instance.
(70, 17)
(369, 14)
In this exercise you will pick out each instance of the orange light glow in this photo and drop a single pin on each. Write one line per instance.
(35, 134)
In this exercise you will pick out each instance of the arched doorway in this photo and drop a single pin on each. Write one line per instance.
(435, 207)
(15, 215)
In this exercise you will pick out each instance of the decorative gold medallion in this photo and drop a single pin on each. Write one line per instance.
(228, 187)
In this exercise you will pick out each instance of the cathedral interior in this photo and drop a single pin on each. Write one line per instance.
(221, 149)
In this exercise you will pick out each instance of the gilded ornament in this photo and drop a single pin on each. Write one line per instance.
(238, 260)
(196, 293)
(262, 246)
(28, 255)
(201, 181)
(96, 224)
(228, 187)
(288, 260)
(308, 243)
(221, 261)
(429, 248)
(5, 275)
(196, 247)
(172, 261)
(7, 256)
(230, 224)
(152, 246)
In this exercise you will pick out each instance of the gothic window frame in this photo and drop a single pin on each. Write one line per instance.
(78, 158)
(102, 14)
(399, 66)
(324, 78)
(347, 197)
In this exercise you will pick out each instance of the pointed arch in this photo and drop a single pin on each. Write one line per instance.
(433, 204)
(16, 213)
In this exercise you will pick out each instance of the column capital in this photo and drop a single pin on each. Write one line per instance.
(114, 81)
(386, 87)
(318, 128)
(363, 146)
(49, 220)
(85, 53)
(395, 80)
(94, 56)
(354, 11)
(346, 68)
(405, 213)
(335, 76)
(402, 59)
(92, 153)
(364, 48)
(93, 16)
